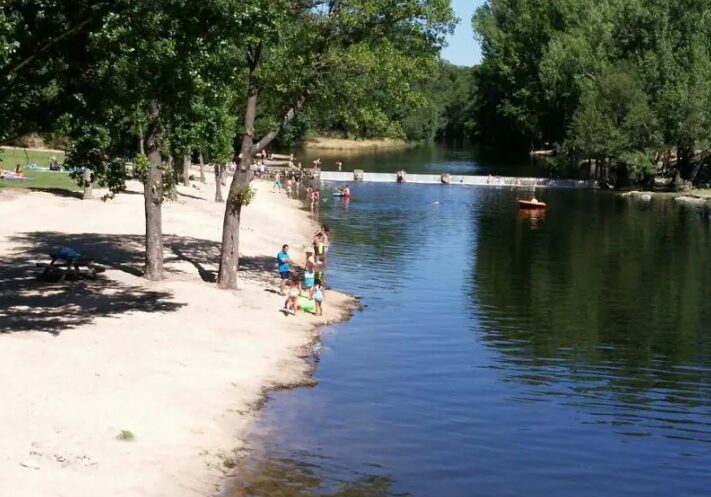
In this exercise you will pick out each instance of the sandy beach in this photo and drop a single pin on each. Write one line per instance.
(179, 366)
(344, 144)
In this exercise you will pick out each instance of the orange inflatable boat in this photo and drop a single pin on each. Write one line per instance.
(531, 204)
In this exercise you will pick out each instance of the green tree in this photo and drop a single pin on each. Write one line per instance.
(39, 46)
(151, 62)
(615, 120)
(554, 71)
(317, 55)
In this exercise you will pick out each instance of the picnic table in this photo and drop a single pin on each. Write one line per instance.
(67, 262)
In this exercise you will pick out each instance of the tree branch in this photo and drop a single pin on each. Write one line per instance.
(254, 55)
(49, 44)
(288, 117)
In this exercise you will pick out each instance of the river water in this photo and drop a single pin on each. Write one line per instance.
(499, 354)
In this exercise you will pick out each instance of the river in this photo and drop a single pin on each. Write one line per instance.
(499, 354)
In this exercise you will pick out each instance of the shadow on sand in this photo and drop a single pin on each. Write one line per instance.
(30, 304)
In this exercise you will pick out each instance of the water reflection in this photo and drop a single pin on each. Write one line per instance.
(573, 351)
(605, 308)
(281, 477)
(534, 217)
(427, 159)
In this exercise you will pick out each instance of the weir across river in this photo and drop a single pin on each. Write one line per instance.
(456, 179)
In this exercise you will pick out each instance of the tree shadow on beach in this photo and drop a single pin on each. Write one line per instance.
(261, 268)
(59, 192)
(30, 304)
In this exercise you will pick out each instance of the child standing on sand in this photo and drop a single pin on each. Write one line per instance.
(317, 294)
(292, 297)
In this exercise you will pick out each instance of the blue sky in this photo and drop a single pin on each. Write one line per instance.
(462, 49)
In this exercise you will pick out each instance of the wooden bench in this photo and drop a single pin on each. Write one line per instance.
(78, 267)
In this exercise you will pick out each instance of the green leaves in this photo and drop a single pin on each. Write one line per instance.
(611, 78)
(354, 68)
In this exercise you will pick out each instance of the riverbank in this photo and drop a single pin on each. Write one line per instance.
(327, 143)
(693, 198)
(122, 387)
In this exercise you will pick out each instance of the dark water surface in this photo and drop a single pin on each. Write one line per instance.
(426, 160)
(501, 355)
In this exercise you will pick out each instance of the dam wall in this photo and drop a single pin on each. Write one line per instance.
(457, 179)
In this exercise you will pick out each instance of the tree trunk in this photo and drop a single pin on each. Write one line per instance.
(153, 197)
(686, 167)
(175, 167)
(218, 183)
(695, 170)
(229, 254)
(187, 160)
(223, 173)
(141, 147)
(88, 191)
(202, 168)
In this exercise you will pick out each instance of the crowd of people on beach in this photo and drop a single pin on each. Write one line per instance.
(307, 292)
(304, 291)
(294, 179)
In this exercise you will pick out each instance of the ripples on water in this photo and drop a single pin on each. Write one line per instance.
(502, 355)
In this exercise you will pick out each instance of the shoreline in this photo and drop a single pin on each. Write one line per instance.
(208, 357)
(344, 144)
(695, 198)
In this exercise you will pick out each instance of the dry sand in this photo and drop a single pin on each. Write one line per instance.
(179, 364)
(327, 143)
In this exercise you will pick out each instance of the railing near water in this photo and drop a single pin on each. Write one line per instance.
(455, 179)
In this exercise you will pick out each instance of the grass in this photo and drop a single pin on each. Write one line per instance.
(126, 436)
(12, 156)
(38, 180)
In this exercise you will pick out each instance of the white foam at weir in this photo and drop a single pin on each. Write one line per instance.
(456, 179)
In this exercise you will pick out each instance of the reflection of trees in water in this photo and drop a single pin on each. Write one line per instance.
(606, 283)
(378, 232)
(276, 477)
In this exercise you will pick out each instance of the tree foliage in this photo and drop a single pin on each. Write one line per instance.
(625, 82)
(159, 80)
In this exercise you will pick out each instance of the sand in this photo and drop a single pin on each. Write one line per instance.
(343, 144)
(179, 364)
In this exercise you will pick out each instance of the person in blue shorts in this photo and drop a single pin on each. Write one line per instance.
(283, 261)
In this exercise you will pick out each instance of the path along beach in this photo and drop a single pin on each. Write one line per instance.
(179, 366)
